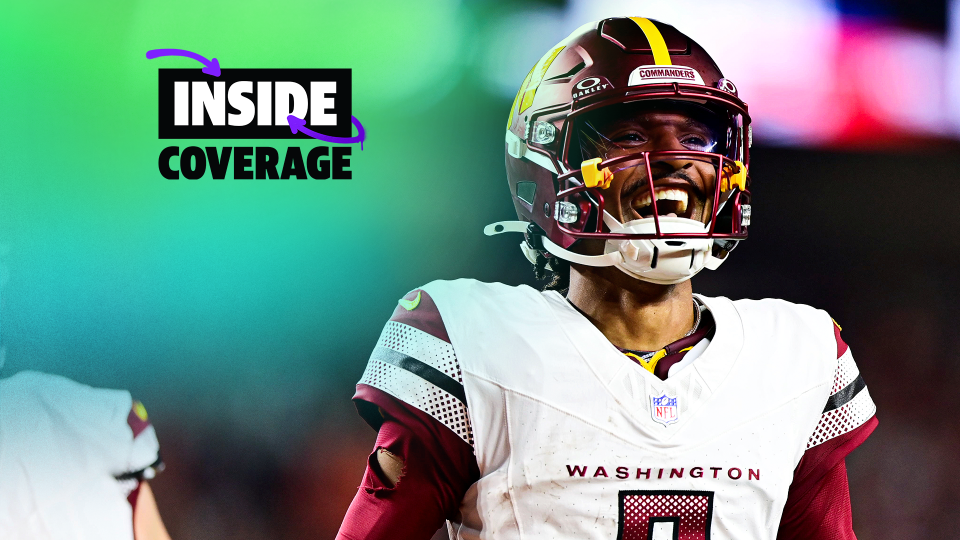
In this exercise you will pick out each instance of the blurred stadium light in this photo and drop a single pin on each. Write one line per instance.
(953, 65)
(813, 75)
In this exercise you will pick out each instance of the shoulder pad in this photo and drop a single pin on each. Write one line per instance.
(415, 362)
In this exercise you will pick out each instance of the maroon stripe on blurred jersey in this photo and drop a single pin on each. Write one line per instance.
(424, 317)
(137, 424)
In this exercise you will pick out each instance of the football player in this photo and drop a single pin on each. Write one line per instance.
(74, 462)
(615, 403)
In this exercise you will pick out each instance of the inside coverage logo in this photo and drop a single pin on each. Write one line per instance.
(211, 103)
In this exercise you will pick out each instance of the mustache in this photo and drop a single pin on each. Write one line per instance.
(635, 184)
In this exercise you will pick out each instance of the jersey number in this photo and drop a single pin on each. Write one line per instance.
(665, 515)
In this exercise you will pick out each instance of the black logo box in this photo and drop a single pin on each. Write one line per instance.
(342, 103)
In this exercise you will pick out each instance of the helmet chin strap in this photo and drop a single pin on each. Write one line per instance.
(610, 259)
(613, 258)
(500, 227)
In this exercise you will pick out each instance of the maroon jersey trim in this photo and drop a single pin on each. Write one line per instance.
(425, 316)
(676, 351)
(841, 346)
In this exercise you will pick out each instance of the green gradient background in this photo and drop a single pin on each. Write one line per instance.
(259, 296)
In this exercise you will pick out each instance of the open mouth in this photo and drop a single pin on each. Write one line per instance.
(671, 202)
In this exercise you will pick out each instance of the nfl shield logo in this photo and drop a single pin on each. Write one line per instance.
(664, 409)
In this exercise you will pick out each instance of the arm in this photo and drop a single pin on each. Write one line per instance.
(144, 463)
(825, 515)
(818, 503)
(429, 468)
(423, 461)
(147, 524)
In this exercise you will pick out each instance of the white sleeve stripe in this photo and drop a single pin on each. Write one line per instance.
(420, 393)
(422, 346)
(418, 368)
(847, 372)
(844, 419)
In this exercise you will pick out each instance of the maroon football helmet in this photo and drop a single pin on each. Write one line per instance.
(625, 62)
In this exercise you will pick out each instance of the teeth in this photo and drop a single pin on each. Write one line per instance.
(664, 194)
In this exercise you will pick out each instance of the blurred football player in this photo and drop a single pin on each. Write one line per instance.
(74, 461)
(615, 403)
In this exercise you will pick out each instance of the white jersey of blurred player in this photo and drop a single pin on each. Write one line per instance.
(574, 442)
(72, 458)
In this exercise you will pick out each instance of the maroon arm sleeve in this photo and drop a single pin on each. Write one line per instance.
(439, 467)
(826, 514)
(818, 502)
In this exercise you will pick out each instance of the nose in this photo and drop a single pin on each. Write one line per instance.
(667, 140)
(662, 166)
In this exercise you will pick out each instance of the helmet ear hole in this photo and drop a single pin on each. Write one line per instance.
(534, 237)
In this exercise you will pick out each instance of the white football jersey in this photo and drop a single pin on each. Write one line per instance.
(575, 441)
(68, 455)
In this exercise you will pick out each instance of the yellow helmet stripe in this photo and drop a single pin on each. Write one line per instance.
(536, 78)
(661, 56)
(517, 98)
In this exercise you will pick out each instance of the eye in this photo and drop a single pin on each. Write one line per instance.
(698, 143)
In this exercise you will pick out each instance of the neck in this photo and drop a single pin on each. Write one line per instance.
(631, 313)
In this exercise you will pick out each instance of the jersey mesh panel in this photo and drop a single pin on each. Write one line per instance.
(850, 416)
(414, 390)
(426, 348)
(847, 371)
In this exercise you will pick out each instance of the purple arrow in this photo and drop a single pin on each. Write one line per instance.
(297, 124)
(210, 67)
